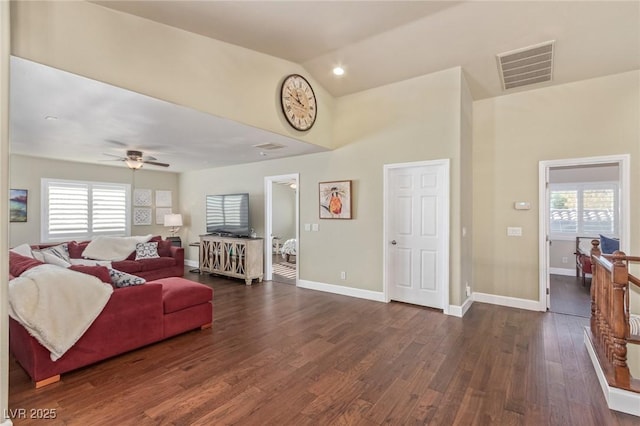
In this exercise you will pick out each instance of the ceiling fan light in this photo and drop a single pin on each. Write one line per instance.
(133, 164)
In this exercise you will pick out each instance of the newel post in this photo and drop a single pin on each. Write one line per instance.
(595, 253)
(620, 275)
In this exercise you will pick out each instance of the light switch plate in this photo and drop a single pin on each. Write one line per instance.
(514, 231)
(314, 227)
(307, 227)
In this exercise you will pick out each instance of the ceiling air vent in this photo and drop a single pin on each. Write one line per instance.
(269, 146)
(529, 65)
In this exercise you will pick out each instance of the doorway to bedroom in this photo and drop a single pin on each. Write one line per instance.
(581, 200)
(281, 228)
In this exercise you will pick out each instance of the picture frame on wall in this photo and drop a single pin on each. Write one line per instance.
(18, 205)
(142, 197)
(335, 199)
(141, 216)
(163, 198)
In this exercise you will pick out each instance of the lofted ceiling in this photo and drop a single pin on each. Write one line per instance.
(380, 42)
(376, 42)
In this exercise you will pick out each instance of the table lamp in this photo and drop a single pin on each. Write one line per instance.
(174, 221)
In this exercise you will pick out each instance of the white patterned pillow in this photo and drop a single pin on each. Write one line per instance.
(147, 250)
(122, 279)
(60, 251)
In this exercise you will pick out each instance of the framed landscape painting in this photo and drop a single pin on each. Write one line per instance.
(18, 205)
(335, 200)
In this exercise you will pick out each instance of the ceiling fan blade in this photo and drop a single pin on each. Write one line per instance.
(149, 158)
(119, 157)
(155, 163)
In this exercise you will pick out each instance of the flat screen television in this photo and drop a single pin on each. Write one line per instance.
(228, 214)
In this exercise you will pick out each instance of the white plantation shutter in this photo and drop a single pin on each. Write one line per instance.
(74, 210)
(585, 209)
(109, 204)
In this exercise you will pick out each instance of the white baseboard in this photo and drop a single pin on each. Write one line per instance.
(345, 291)
(460, 310)
(617, 399)
(563, 271)
(191, 263)
(512, 302)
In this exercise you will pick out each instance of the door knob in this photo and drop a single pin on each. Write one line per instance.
(393, 242)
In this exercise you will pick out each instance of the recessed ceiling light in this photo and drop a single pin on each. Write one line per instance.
(338, 71)
(50, 117)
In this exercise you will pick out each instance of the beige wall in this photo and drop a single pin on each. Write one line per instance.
(27, 172)
(466, 192)
(512, 134)
(414, 120)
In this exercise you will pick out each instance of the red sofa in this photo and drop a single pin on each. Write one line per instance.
(134, 317)
(169, 264)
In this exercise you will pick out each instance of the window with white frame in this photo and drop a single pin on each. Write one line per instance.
(78, 210)
(583, 209)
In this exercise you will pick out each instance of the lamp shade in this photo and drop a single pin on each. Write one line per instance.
(173, 219)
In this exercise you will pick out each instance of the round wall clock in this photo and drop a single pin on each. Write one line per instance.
(298, 102)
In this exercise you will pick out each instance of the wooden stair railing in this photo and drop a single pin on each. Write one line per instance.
(610, 316)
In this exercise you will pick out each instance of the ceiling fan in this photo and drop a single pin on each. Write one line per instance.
(135, 160)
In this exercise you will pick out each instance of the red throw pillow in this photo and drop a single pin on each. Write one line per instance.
(19, 263)
(164, 248)
(101, 272)
(76, 249)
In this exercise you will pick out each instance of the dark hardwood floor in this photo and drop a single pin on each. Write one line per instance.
(569, 295)
(280, 355)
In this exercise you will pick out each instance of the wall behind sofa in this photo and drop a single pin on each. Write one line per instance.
(26, 173)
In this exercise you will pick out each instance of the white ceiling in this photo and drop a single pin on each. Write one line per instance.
(91, 119)
(377, 42)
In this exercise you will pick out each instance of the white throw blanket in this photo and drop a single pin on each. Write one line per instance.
(56, 305)
(113, 248)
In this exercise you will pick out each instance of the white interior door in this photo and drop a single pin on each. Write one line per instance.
(418, 229)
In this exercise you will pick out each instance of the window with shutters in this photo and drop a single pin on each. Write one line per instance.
(76, 210)
(583, 209)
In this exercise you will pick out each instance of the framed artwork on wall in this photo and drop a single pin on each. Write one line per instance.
(335, 199)
(142, 197)
(163, 198)
(18, 205)
(141, 216)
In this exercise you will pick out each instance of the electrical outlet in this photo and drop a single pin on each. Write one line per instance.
(343, 275)
(565, 260)
(468, 290)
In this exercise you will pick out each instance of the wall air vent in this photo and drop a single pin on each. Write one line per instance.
(529, 65)
(269, 146)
